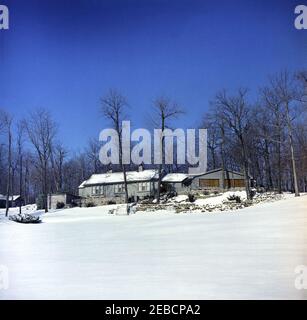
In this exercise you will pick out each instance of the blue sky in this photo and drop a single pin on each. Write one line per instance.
(63, 55)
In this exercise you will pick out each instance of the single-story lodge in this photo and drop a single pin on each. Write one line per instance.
(108, 188)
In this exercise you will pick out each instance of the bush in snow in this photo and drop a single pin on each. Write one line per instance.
(191, 197)
(60, 205)
(90, 205)
(171, 194)
(253, 193)
(25, 218)
(234, 197)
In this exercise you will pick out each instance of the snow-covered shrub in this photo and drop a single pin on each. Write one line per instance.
(74, 204)
(60, 205)
(171, 194)
(25, 218)
(191, 197)
(253, 193)
(90, 205)
(235, 198)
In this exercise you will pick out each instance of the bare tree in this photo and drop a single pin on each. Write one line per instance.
(6, 124)
(217, 138)
(262, 133)
(272, 105)
(27, 163)
(92, 152)
(41, 130)
(166, 110)
(113, 107)
(58, 155)
(234, 111)
(19, 141)
(2, 153)
(301, 76)
(210, 123)
(285, 90)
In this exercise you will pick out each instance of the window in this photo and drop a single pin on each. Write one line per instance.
(119, 188)
(97, 190)
(144, 186)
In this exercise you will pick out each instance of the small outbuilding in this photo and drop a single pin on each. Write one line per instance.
(14, 201)
(63, 200)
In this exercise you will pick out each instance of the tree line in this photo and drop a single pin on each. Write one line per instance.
(264, 138)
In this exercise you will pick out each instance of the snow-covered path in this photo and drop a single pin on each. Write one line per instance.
(88, 254)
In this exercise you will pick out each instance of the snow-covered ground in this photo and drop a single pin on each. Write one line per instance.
(86, 253)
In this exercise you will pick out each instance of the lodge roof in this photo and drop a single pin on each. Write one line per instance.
(118, 177)
(175, 177)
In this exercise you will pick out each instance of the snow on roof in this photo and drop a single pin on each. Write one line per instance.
(82, 185)
(118, 177)
(215, 170)
(12, 198)
(175, 177)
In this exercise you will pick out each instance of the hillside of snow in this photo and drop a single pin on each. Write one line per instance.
(86, 253)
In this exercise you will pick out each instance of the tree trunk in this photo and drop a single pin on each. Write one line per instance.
(54, 173)
(297, 194)
(213, 157)
(268, 166)
(20, 182)
(125, 183)
(279, 165)
(246, 169)
(161, 165)
(123, 167)
(45, 188)
(223, 158)
(61, 175)
(8, 188)
(26, 186)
